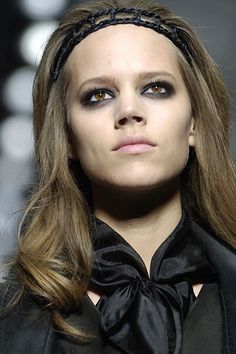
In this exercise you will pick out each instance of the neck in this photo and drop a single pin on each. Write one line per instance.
(145, 218)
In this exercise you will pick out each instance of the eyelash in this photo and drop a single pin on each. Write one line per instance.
(167, 86)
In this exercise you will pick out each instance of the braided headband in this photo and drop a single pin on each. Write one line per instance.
(96, 21)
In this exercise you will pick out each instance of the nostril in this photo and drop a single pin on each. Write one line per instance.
(123, 121)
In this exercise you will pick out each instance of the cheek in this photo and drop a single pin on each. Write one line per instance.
(174, 139)
(177, 136)
(88, 129)
(81, 135)
(88, 143)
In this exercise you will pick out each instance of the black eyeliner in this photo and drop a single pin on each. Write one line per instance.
(86, 97)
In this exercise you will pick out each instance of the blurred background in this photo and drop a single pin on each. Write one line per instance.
(25, 26)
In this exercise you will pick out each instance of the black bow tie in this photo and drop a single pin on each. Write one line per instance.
(142, 314)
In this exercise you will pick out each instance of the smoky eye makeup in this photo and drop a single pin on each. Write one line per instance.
(159, 89)
(94, 96)
(155, 89)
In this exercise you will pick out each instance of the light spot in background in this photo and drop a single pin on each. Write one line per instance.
(16, 138)
(33, 41)
(16, 178)
(17, 90)
(41, 9)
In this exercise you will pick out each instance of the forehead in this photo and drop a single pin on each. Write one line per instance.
(124, 48)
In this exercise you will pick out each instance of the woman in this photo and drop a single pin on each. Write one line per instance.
(127, 243)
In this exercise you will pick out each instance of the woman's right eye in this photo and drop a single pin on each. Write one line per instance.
(96, 96)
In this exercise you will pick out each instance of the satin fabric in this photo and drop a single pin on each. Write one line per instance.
(142, 313)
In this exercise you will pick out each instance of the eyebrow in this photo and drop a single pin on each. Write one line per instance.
(104, 79)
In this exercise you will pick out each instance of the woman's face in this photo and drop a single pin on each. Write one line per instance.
(129, 110)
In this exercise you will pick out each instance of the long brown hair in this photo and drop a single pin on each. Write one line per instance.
(55, 252)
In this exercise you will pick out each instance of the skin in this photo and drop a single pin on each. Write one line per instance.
(136, 193)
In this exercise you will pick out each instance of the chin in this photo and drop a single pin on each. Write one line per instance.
(136, 185)
(133, 188)
(141, 181)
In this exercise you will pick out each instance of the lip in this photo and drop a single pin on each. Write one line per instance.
(134, 144)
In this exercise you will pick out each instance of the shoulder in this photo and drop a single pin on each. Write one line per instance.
(24, 327)
(27, 328)
(213, 244)
(223, 259)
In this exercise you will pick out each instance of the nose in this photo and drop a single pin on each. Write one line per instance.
(129, 111)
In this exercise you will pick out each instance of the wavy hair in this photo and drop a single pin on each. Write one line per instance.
(55, 253)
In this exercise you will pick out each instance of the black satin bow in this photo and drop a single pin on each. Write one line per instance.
(142, 314)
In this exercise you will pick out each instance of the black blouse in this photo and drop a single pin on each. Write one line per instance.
(141, 313)
(202, 326)
(27, 331)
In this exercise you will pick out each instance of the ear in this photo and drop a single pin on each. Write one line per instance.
(192, 131)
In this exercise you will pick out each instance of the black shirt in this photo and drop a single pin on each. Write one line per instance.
(27, 331)
(203, 324)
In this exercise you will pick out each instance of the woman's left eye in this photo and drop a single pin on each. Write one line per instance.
(159, 89)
